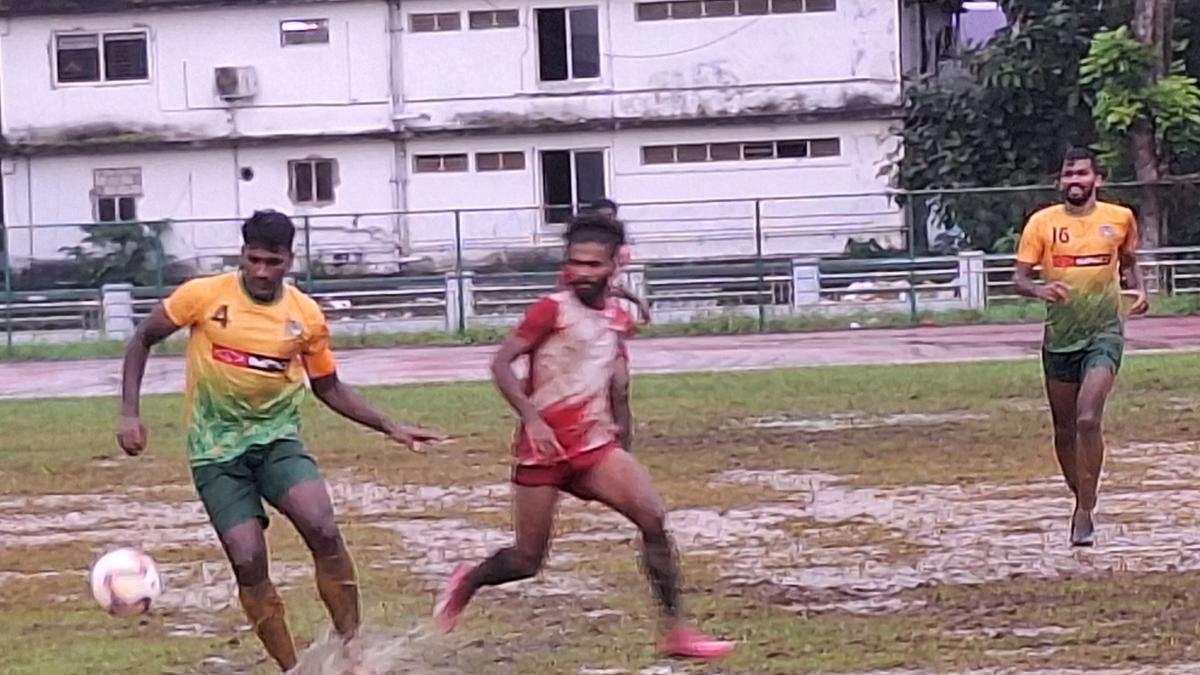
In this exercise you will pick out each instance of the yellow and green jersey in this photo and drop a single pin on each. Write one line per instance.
(246, 364)
(1083, 252)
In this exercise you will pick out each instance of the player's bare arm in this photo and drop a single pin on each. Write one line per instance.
(1023, 279)
(347, 402)
(540, 434)
(622, 411)
(642, 305)
(131, 432)
(1137, 285)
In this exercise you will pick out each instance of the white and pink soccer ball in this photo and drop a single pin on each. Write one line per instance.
(125, 582)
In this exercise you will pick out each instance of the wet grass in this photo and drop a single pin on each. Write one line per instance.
(690, 426)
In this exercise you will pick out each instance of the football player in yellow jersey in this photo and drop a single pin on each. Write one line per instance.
(253, 339)
(1082, 246)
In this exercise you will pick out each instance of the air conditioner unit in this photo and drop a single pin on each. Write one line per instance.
(236, 82)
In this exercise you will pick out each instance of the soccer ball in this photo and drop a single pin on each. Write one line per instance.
(125, 582)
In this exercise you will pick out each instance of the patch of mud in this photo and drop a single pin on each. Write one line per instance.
(1191, 668)
(854, 420)
(372, 499)
(434, 547)
(944, 534)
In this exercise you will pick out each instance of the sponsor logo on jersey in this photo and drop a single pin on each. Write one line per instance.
(294, 329)
(240, 359)
(1108, 231)
(1082, 260)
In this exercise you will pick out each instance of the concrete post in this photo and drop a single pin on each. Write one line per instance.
(117, 304)
(453, 305)
(972, 275)
(806, 283)
(635, 281)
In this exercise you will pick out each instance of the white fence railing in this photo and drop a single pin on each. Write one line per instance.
(677, 292)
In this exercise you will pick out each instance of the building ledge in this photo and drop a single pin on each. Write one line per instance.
(130, 141)
(15, 8)
(476, 124)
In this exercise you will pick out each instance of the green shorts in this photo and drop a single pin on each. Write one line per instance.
(232, 491)
(1104, 351)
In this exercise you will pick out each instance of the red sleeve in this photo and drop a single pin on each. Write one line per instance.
(539, 321)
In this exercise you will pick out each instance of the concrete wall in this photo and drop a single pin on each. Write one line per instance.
(341, 86)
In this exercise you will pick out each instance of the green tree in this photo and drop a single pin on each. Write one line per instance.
(121, 253)
(1017, 103)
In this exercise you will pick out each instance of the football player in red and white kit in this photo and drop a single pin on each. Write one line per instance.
(567, 439)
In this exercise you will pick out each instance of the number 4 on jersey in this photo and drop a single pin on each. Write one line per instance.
(221, 316)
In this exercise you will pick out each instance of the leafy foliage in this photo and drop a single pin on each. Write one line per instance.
(121, 253)
(1019, 101)
(1115, 70)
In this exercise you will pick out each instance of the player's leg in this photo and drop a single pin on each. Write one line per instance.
(621, 483)
(1100, 367)
(1062, 396)
(533, 519)
(231, 499)
(292, 483)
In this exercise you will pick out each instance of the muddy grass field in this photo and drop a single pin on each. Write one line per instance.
(859, 520)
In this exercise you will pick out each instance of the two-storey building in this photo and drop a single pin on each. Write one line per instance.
(709, 118)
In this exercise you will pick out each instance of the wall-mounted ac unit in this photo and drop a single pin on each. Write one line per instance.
(236, 82)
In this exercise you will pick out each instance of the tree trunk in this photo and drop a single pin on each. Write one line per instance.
(1152, 21)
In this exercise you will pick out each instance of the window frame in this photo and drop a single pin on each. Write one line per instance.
(774, 144)
(324, 26)
(102, 80)
(316, 201)
(501, 166)
(441, 157)
(494, 12)
(577, 202)
(437, 22)
(570, 79)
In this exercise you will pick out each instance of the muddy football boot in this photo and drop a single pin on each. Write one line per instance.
(1083, 531)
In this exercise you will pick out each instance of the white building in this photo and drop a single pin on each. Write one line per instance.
(508, 113)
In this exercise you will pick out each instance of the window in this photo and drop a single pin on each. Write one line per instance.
(697, 9)
(748, 151)
(496, 18)
(570, 178)
(434, 23)
(101, 57)
(304, 32)
(311, 181)
(440, 163)
(499, 161)
(115, 193)
(568, 44)
(116, 209)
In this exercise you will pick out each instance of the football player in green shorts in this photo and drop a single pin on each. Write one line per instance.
(253, 340)
(1082, 246)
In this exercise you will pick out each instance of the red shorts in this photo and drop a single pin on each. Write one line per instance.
(566, 475)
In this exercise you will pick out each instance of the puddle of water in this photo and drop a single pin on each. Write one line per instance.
(843, 421)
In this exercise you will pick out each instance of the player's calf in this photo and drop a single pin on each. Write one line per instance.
(264, 608)
(337, 584)
(505, 566)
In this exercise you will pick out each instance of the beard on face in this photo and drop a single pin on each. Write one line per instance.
(1078, 197)
(589, 292)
